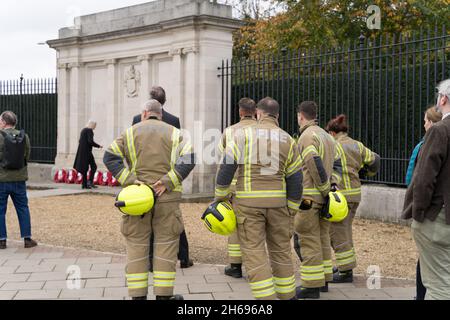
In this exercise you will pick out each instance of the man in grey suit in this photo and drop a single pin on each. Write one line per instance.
(159, 94)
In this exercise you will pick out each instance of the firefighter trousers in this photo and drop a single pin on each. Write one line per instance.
(341, 235)
(315, 247)
(166, 223)
(270, 275)
(234, 249)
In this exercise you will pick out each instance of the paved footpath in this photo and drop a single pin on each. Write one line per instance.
(41, 273)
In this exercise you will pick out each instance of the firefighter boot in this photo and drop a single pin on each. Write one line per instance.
(307, 293)
(324, 289)
(139, 298)
(176, 297)
(234, 271)
(343, 277)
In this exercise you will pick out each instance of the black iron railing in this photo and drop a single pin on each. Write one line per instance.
(35, 102)
(382, 85)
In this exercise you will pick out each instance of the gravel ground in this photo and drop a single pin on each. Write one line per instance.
(92, 222)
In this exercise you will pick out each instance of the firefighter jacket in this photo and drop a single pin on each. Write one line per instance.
(355, 156)
(268, 167)
(320, 161)
(227, 138)
(154, 151)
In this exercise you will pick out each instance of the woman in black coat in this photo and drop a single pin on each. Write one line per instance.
(84, 157)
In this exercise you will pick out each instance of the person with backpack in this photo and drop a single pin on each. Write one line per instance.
(14, 155)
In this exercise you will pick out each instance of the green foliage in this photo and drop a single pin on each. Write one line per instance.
(331, 23)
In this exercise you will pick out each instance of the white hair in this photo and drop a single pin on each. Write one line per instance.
(153, 106)
(91, 123)
(444, 88)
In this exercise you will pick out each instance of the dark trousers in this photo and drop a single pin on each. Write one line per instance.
(18, 193)
(183, 253)
(421, 291)
(93, 166)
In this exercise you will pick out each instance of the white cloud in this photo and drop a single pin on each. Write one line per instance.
(25, 23)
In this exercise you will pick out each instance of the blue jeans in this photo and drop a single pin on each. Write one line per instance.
(18, 193)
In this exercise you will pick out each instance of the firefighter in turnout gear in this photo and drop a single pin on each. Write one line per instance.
(247, 113)
(268, 196)
(356, 160)
(321, 172)
(157, 156)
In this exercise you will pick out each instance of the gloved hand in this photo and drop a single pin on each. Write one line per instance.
(306, 205)
(363, 173)
(334, 187)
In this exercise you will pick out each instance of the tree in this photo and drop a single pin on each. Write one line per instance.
(253, 9)
(313, 23)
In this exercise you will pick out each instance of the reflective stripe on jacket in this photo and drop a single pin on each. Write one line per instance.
(227, 139)
(319, 157)
(268, 167)
(354, 156)
(154, 151)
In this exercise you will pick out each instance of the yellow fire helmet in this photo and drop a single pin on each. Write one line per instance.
(336, 209)
(136, 200)
(220, 219)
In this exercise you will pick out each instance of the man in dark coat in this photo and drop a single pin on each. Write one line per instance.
(85, 158)
(167, 118)
(427, 201)
(159, 94)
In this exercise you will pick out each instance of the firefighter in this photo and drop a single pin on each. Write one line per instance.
(268, 196)
(321, 171)
(356, 160)
(247, 113)
(158, 156)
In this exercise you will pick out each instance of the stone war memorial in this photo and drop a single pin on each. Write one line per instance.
(108, 62)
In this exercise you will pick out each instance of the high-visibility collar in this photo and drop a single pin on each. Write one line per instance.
(269, 119)
(248, 119)
(311, 123)
(340, 136)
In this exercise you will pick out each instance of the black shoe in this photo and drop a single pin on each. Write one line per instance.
(139, 298)
(30, 243)
(307, 293)
(176, 297)
(186, 264)
(335, 270)
(2, 244)
(86, 187)
(343, 277)
(324, 289)
(234, 271)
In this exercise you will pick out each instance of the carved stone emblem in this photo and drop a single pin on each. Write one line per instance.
(132, 82)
